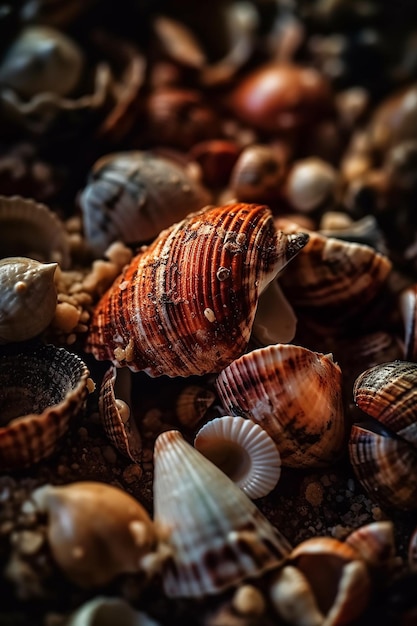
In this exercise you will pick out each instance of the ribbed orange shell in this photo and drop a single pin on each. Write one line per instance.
(185, 305)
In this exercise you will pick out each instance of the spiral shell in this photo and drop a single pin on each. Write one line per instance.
(41, 390)
(28, 297)
(187, 303)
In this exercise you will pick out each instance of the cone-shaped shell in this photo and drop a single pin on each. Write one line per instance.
(40, 391)
(217, 535)
(243, 451)
(295, 394)
(186, 304)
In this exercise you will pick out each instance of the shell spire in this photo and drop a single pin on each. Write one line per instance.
(186, 304)
(217, 535)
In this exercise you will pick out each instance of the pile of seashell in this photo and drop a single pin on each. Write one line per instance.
(208, 304)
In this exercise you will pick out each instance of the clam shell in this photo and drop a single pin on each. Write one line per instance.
(375, 542)
(295, 394)
(217, 535)
(132, 196)
(31, 229)
(243, 451)
(28, 298)
(186, 304)
(116, 415)
(40, 392)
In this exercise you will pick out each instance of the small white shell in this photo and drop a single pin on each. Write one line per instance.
(242, 450)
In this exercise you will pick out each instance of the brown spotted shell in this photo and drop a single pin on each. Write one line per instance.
(383, 447)
(295, 394)
(186, 304)
(40, 392)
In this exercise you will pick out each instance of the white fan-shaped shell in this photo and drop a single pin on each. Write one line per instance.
(242, 450)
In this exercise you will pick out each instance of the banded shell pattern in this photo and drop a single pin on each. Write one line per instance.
(295, 394)
(186, 304)
(243, 451)
(383, 447)
(40, 392)
(217, 535)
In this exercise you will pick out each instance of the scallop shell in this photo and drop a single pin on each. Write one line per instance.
(295, 394)
(31, 229)
(40, 392)
(187, 303)
(28, 298)
(131, 196)
(116, 415)
(243, 451)
(383, 447)
(217, 535)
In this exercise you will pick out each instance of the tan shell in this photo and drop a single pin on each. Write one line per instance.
(295, 394)
(375, 542)
(383, 448)
(31, 229)
(187, 303)
(116, 415)
(34, 412)
(131, 196)
(95, 531)
(28, 298)
(107, 611)
(217, 535)
(243, 451)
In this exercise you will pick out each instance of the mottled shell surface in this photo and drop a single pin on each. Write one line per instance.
(243, 451)
(217, 535)
(40, 392)
(116, 414)
(28, 298)
(186, 304)
(132, 196)
(31, 229)
(383, 448)
(295, 395)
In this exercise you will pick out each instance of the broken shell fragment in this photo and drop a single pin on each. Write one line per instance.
(243, 451)
(95, 531)
(132, 196)
(28, 298)
(40, 392)
(186, 304)
(218, 536)
(295, 394)
(116, 415)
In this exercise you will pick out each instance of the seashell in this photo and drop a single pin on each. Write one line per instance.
(258, 174)
(243, 451)
(31, 229)
(107, 611)
(338, 595)
(95, 531)
(40, 392)
(28, 298)
(132, 196)
(57, 13)
(218, 536)
(116, 415)
(186, 304)
(407, 301)
(364, 231)
(295, 395)
(382, 448)
(394, 120)
(333, 282)
(311, 183)
(193, 403)
(42, 59)
(375, 542)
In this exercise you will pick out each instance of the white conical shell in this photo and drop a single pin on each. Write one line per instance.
(242, 450)
(217, 535)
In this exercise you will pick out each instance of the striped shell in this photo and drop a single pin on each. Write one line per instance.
(132, 196)
(40, 392)
(116, 415)
(186, 304)
(243, 451)
(31, 229)
(217, 535)
(383, 447)
(295, 394)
